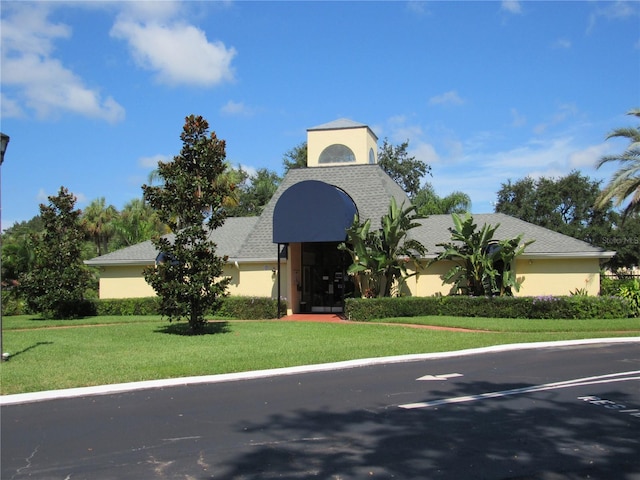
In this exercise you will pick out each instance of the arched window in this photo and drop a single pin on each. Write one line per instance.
(337, 153)
(372, 156)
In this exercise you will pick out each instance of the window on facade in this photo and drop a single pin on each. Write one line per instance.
(337, 154)
(372, 156)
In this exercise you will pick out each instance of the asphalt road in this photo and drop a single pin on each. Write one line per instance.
(561, 412)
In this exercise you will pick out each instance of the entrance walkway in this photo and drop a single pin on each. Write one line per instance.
(339, 318)
(314, 317)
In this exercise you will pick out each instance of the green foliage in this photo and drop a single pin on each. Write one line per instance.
(427, 202)
(56, 284)
(482, 265)
(244, 308)
(631, 292)
(253, 192)
(137, 222)
(249, 308)
(381, 257)
(564, 205)
(406, 171)
(128, 306)
(625, 182)
(295, 158)
(549, 307)
(187, 277)
(97, 221)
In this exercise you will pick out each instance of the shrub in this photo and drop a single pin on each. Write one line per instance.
(563, 307)
(249, 308)
(128, 306)
(631, 291)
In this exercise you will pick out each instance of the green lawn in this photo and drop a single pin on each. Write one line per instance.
(103, 350)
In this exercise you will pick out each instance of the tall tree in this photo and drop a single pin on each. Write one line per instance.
(428, 202)
(97, 220)
(254, 193)
(18, 249)
(407, 171)
(187, 276)
(380, 257)
(564, 205)
(136, 222)
(56, 284)
(625, 182)
(295, 158)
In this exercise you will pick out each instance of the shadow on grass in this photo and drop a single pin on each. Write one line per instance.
(184, 329)
(25, 350)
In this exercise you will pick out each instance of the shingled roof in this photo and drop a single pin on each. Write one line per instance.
(547, 243)
(247, 239)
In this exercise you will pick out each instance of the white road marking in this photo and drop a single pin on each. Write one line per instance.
(445, 376)
(610, 378)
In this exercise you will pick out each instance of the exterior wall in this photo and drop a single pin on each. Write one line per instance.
(124, 281)
(360, 140)
(257, 279)
(541, 277)
(250, 280)
(558, 276)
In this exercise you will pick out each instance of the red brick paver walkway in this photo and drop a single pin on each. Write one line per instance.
(339, 318)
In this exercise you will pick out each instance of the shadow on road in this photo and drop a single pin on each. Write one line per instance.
(507, 438)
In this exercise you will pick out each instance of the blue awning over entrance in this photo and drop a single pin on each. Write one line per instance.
(312, 211)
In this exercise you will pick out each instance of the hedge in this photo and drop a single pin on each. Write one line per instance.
(562, 307)
(247, 308)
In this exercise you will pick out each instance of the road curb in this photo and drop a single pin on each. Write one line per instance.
(21, 398)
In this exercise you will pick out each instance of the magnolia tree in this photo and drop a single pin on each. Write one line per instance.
(187, 275)
(381, 257)
(481, 264)
(58, 279)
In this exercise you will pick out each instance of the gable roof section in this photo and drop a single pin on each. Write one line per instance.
(547, 244)
(368, 185)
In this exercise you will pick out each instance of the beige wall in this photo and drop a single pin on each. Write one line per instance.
(558, 276)
(360, 140)
(250, 279)
(125, 281)
(541, 277)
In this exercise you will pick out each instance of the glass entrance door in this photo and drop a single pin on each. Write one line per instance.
(324, 280)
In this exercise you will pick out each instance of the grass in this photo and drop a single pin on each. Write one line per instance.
(104, 350)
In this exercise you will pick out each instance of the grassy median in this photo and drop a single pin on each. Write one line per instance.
(49, 355)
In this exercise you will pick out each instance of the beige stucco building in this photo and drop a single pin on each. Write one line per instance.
(295, 238)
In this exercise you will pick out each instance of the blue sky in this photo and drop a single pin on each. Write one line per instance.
(93, 94)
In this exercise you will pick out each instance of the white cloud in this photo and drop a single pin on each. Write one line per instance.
(425, 152)
(34, 80)
(511, 6)
(237, 109)
(564, 112)
(448, 98)
(589, 156)
(179, 53)
(152, 162)
(562, 44)
(617, 10)
(519, 120)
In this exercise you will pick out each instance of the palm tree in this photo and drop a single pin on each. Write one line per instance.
(97, 219)
(625, 182)
(136, 223)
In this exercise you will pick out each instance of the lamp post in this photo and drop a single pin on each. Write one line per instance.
(4, 142)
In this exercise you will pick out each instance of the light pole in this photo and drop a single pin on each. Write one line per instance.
(4, 142)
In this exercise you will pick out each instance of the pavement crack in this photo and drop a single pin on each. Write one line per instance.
(28, 461)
